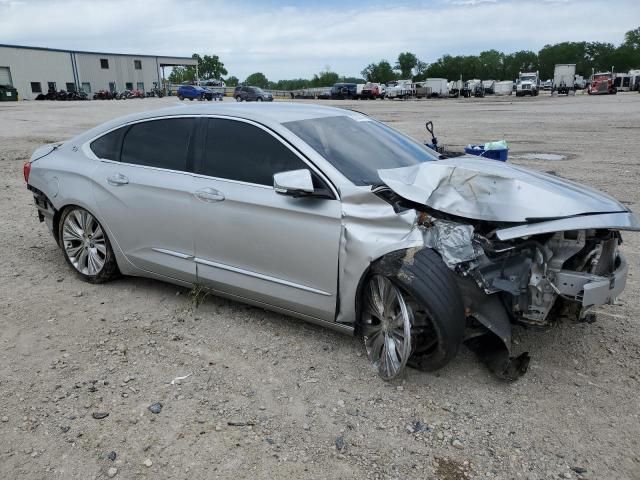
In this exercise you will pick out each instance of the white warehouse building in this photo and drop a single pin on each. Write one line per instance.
(35, 70)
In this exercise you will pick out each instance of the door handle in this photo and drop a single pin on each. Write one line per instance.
(209, 195)
(117, 180)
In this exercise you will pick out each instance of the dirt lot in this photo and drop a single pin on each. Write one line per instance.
(272, 397)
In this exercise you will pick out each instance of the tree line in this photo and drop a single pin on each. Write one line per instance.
(489, 64)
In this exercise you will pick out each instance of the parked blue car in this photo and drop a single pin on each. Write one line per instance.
(191, 92)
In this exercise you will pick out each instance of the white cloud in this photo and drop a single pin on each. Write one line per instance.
(297, 41)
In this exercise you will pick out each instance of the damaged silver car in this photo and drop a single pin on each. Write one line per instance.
(331, 216)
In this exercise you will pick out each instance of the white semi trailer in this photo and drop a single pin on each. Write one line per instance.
(564, 76)
(439, 87)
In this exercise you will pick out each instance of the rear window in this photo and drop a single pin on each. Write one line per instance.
(158, 143)
(108, 146)
(358, 147)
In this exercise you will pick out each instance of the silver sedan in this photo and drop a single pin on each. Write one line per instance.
(331, 216)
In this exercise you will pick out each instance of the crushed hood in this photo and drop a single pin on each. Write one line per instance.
(490, 190)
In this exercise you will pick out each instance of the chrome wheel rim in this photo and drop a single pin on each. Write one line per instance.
(84, 242)
(386, 327)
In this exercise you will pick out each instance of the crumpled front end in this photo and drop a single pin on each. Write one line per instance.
(526, 248)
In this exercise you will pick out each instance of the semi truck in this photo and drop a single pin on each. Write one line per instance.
(528, 84)
(602, 84)
(564, 77)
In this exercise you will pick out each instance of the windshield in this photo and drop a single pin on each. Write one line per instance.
(527, 78)
(358, 147)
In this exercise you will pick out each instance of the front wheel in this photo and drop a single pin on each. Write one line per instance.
(86, 246)
(238, 98)
(411, 313)
(180, 97)
(259, 99)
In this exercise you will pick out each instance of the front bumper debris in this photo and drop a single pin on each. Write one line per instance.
(592, 290)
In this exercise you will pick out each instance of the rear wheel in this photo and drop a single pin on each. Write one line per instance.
(86, 246)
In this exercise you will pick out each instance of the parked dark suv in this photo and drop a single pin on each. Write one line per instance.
(342, 91)
(252, 94)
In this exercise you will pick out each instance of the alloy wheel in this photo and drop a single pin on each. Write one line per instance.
(386, 327)
(84, 242)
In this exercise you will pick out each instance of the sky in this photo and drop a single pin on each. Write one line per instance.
(295, 39)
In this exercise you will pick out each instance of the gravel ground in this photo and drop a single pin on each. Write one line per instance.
(271, 397)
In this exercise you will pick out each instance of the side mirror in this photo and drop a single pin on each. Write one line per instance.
(294, 182)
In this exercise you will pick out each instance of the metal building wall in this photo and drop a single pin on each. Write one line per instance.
(36, 66)
(121, 70)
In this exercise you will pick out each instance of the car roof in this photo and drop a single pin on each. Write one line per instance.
(267, 113)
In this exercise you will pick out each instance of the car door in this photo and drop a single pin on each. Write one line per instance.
(143, 189)
(253, 242)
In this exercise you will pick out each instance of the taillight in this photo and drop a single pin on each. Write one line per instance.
(26, 170)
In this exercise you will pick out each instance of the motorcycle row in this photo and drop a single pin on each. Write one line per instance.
(100, 95)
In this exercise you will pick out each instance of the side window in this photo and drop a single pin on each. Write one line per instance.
(240, 151)
(158, 143)
(108, 146)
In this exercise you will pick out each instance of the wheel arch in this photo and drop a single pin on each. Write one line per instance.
(124, 265)
(389, 263)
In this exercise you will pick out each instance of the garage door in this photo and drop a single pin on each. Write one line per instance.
(5, 76)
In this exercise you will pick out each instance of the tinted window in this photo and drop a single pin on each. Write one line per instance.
(358, 147)
(240, 151)
(108, 146)
(158, 143)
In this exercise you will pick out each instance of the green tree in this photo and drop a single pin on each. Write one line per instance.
(566, 52)
(209, 68)
(181, 75)
(257, 79)
(407, 61)
(600, 55)
(632, 39)
(490, 64)
(380, 72)
(292, 84)
(232, 81)
(420, 71)
(325, 78)
(521, 61)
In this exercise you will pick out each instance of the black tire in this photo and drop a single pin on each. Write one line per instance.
(180, 97)
(238, 98)
(259, 99)
(437, 304)
(109, 270)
